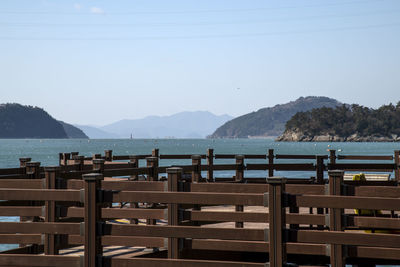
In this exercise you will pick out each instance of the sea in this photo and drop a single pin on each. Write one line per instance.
(46, 151)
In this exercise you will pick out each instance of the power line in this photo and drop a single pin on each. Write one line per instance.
(219, 36)
(189, 11)
(166, 24)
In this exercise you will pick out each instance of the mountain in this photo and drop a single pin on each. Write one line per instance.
(72, 131)
(270, 121)
(96, 133)
(18, 121)
(197, 124)
(346, 123)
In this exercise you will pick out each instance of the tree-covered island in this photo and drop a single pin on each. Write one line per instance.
(352, 123)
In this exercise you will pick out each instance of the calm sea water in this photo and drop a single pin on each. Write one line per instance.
(46, 151)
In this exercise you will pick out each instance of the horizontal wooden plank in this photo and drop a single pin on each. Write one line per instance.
(348, 202)
(374, 222)
(7, 171)
(228, 188)
(375, 253)
(20, 211)
(128, 262)
(188, 198)
(22, 183)
(134, 241)
(125, 171)
(282, 166)
(20, 238)
(39, 228)
(310, 189)
(39, 260)
(377, 191)
(364, 157)
(287, 156)
(111, 213)
(14, 176)
(184, 232)
(224, 156)
(229, 245)
(260, 217)
(224, 216)
(348, 238)
(40, 194)
(179, 156)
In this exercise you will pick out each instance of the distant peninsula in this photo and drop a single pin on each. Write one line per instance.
(270, 121)
(346, 123)
(19, 121)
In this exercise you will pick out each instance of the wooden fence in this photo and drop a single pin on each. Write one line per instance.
(71, 205)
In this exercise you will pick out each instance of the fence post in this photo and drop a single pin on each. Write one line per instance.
(156, 154)
(74, 155)
(320, 180)
(277, 223)
(60, 158)
(270, 163)
(96, 156)
(98, 165)
(92, 220)
(397, 163)
(33, 172)
(335, 217)
(152, 163)
(174, 176)
(239, 178)
(332, 156)
(79, 162)
(22, 164)
(210, 163)
(108, 155)
(196, 173)
(50, 240)
(133, 163)
(66, 157)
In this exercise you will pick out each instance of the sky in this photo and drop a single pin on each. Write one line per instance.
(97, 62)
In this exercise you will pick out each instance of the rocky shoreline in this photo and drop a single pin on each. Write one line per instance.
(295, 136)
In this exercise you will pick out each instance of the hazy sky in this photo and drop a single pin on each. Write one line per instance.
(95, 62)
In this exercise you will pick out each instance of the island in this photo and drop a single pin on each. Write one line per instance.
(19, 121)
(345, 123)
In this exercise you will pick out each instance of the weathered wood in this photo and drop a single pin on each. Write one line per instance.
(347, 238)
(50, 244)
(39, 260)
(210, 163)
(364, 157)
(277, 224)
(335, 217)
(187, 198)
(40, 194)
(174, 175)
(92, 219)
(39, 228)
(348, 202)
(126, 262)
(184, 232)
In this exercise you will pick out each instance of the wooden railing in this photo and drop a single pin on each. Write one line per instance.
(66, 206)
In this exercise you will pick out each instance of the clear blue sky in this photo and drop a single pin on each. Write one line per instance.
(95, 62)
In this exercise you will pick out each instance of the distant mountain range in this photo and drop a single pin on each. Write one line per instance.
(270, 121)
(197, 124)
(18, 121)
